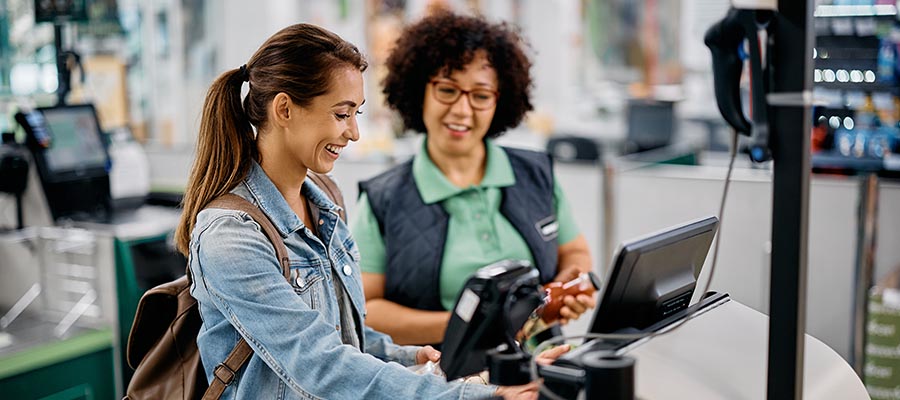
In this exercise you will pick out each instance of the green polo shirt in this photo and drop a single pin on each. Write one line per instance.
(477, 233)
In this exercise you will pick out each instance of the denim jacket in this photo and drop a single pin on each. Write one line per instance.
(294, 328)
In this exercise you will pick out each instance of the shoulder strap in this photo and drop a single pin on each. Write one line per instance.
(231, 201)
(330, 188)
(225, 372)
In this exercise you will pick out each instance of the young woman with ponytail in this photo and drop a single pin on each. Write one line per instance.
(308, 336)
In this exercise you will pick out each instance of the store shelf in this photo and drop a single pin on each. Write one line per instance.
(838, 11)
(833, 163)
(859, 86)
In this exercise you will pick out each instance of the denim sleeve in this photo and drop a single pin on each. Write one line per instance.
(237, 267)
(383, 347)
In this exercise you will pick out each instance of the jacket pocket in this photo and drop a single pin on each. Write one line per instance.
(350, 249)
(307, 281)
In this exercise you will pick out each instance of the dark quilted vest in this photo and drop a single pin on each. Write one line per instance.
(411, 239)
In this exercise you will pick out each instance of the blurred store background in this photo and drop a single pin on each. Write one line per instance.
(623, 100)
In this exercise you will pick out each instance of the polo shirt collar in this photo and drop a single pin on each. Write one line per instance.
(434, 186)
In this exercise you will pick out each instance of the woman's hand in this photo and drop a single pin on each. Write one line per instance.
(522, 392)
(574, 306)
(426, 354)
(548, 356)
(530, 391)
(574, 258)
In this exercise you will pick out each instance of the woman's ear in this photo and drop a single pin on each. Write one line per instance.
(281, 109)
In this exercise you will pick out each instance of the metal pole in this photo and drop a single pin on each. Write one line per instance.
(62, 68)
(608, 220)
(790, 129)
(866, 231)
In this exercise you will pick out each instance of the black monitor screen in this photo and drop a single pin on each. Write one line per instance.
(653, 277)
(75, 140)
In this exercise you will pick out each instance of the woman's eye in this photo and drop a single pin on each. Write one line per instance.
(359, 113)
(342, 116)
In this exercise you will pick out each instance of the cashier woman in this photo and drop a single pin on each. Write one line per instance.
(462, 202)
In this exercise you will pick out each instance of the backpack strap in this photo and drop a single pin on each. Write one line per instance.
(231, 201)
(330, 188)
(225, 372)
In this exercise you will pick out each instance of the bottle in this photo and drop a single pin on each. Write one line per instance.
(867, 115)
(540, 322)
(867, 123)
(554, 292)
(887, 59)
(893, 136)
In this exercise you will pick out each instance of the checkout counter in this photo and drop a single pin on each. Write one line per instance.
(75, 348)
(651, 344)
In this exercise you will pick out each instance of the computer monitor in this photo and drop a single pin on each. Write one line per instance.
(653, 277)
(69, 152)
(492, 307)
(651, 124)
(76, 143)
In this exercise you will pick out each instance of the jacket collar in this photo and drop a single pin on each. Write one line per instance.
(266, 195)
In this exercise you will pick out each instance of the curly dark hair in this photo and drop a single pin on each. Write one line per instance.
(447, 42)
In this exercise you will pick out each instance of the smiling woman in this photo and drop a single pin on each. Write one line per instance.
(308, 333)
(462, 202)
(311, 137)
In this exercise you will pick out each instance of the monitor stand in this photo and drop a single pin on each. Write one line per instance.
(620, 346)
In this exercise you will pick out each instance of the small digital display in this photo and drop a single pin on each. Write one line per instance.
(76, 143)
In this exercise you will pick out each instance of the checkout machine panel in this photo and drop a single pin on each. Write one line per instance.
(71, 159)
(69, 188)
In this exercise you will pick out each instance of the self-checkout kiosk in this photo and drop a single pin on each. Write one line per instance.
(647, 341)
(69, 187)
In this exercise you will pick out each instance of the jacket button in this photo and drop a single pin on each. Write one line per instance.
(321, 221)
(300, 282)
(347, 270)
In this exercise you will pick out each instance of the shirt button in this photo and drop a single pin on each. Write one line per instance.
(337, 327)
(485, 236)
(478, 216)
(300, 282)
(347, 270)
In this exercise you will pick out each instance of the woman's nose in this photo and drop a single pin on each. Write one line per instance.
(462, 106)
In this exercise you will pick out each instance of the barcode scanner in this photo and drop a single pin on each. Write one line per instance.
(726, 41)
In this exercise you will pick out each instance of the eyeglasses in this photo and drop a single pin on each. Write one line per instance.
(449, 93)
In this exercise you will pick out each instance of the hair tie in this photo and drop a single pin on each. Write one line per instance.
(245, 74)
